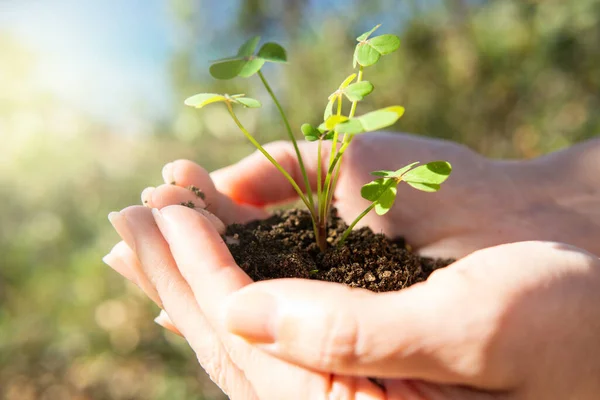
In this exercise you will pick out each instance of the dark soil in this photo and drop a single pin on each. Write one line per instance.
(283, 246)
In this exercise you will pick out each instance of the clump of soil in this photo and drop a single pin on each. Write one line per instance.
(283, 246)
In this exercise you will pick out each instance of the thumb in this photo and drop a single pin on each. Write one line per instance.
(414, 333)
(254, 180)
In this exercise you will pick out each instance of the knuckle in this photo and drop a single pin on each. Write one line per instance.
(341, 345)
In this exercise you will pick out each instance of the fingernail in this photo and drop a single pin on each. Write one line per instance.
(147, 196)
(119, 222)
(167, 174)
(164, 321)
(162, 223)
(252, 316)
(117, 263)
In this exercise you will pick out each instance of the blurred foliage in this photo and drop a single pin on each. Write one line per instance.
(509, 78)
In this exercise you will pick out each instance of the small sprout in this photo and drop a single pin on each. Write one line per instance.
(382, 191)
(197, 191)
(313, 272)
(189, 204)
(369, 50)
(245, 63)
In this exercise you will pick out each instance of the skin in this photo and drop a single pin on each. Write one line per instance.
(515, 321)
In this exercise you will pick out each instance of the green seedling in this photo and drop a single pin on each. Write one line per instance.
(335, 127)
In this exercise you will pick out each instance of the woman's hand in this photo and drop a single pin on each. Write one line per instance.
(180, 261)
(516, 321)
(483, 203)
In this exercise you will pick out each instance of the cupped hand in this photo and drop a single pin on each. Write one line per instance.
(176, 255)
(484, 202)
(516, 321)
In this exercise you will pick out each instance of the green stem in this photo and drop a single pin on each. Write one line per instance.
(365, 212)
(292, 138)
(273, 161)
(353, 224)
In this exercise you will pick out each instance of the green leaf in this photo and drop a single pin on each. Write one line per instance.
(202, 99)
(357, 91)
(425, 187)
(373, 190)
(248, 102)
(402, 171)
(385, 44)
(384, 173)
(386, 200)
(252, 66)
(272, 52)
(334, 120)
(366, 55)
(329, 108)
(347, 81)
(310, 132)
(227, 69)
(366, 35)
(248, 48)
(351, 127)
(431, 174)
(372, 121)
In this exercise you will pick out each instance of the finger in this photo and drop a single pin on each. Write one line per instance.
(422, 332)
(418, 390)
(254, 180)
(123, 260)
(186, 174)
(138, 226)
(163, 320)
(166, 195)
(206, 264)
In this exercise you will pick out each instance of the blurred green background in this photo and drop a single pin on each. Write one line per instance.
(91, 108)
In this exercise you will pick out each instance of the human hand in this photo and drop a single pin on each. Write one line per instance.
(517, 321)
(484, 203)
(190, 274)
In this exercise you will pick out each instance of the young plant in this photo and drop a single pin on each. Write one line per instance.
(336, 127)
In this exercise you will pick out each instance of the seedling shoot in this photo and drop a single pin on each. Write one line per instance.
(335, 127)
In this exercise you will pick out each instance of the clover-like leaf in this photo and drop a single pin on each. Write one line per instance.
(366, 55)
(433, 172)
(394, 174)
(334, 120)
(428, 177)
(366, 35)
(385, 44)
(251, 67)
(329, 108)
(357, 91)
(227, 69)
(347, 81)
(386, 200)
(373, 190)
(202, 99)
(247, 102)
(372, 121)
(248, 48)
(310, 132)
(273, 52)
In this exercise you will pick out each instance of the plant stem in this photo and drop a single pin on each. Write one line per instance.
(347, 139)
(366, 211)
(292, 138)
(353, 224)
(273, 161)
